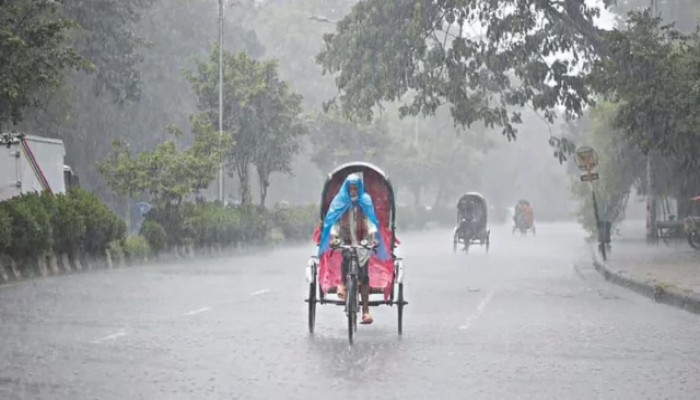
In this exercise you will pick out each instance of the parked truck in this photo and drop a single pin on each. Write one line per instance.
(33, 164)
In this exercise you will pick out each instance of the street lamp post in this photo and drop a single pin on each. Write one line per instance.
(587, 160)
(221, 99)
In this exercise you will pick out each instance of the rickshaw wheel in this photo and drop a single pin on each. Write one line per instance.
(399, 303)
(312, 306)
(455, 242)
(351, 309)
(694, 240)
(488, 242)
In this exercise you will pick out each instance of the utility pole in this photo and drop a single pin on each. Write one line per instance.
(650, 189)
(221, 99)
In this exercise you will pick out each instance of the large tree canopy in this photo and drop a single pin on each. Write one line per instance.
(653, 73)
(34, 51)
(529, 53)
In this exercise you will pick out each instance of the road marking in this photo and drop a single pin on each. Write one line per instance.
(9, 285)
(259, 292)
(109, 337)
(479, 310)
(198, 311)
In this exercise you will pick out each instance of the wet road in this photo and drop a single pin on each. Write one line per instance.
(530, 320)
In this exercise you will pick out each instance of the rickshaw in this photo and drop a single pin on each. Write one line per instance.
(323, 273)
(472, 219)
(523, 220)
(692, 224)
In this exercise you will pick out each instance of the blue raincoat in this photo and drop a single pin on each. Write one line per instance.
(340, 204)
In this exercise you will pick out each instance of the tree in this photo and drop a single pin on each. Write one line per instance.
(106, 37)
(34, 47)
(278, 137)
(335, 141)
(531, 52)
(652, 72)
(167, 174)
(165, 35)
(621, 169)
(430, 154)
(261, 113)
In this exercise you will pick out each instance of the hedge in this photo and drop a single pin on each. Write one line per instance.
(210, 224)
(75, 224)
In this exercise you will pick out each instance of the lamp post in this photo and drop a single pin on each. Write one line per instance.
(221, 98)
(586, 161)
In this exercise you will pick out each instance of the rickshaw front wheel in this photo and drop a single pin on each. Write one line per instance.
(312, 307)
(399, 303)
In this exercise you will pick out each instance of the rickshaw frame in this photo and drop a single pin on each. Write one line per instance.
(316, 294)
(483, 236)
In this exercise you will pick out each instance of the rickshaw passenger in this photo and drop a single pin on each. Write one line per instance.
(350, 220)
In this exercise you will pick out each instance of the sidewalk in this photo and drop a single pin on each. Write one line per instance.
(667, 273)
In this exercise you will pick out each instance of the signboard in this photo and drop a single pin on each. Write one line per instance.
(586, 158)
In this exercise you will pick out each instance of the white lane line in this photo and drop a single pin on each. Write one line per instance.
(109, 337)
(259, 292)
(198, 311)
(9, 285)
(479, 310)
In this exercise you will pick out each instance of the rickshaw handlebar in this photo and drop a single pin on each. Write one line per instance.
(362, 245)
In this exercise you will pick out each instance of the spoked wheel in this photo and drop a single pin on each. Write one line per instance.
(488, 242)
(455, 243)
(694, 240)
(399, 303)
(351, 310)
(312, 306)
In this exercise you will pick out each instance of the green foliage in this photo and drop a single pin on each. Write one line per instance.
(106, 37)
(115, 249)
(5, 230)
(260, 111)
(35, 52)
(33, 224)
(167, 174)
(385, 49)
(336, 141)
(652, 72)
(154, 234)
(136, 248)
(621, 167)
(102, 225)
(295, 223)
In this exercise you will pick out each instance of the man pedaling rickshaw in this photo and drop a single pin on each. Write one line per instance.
(351, 220)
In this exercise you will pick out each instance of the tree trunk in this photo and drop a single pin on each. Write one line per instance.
(264, 183)
(242, 169)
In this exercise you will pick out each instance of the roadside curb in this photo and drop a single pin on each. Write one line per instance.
(656, 291)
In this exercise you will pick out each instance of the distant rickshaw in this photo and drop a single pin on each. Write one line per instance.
(524, 220)
(472, 220)
(692, 224)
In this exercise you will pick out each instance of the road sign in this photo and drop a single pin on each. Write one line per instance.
(592, 177)
(586, 158)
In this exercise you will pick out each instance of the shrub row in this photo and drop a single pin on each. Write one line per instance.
(210, 224)
(76, 224)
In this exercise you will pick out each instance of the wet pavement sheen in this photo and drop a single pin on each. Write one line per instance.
(530, 320)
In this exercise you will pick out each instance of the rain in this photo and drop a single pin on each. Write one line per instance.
(304, 199)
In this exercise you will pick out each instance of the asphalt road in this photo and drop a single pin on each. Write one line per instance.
(530, 320)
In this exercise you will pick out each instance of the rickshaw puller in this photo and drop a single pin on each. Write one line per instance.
(351, 228)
